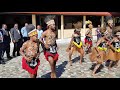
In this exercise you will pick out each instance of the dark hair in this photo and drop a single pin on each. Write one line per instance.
(3, 25)
(30, 27)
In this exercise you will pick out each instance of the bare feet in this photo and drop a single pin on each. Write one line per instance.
(109, 68)
(80, 61)
(116, 66)
(53, 75)
(93, 74)
(70, 63)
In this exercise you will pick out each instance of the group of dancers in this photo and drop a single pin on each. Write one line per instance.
(106, 48)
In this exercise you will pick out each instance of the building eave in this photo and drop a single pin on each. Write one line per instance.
(68, 13)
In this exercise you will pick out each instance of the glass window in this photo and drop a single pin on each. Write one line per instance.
(59, 21)
(11, 19)
(117, 21)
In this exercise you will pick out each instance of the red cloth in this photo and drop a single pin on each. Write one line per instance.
(29, 69)
(89, 42)
(47, 54)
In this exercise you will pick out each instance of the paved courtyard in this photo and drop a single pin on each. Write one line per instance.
(13, 69)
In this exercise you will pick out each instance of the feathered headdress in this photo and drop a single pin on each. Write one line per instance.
(103, 30)
(78, 24)
(88, 22)
(116, 29)
(110, 21)
(50, 20)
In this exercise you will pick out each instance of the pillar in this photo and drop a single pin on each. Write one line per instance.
(34, 19)
(84, 24)
(102, 21)
(62, 27)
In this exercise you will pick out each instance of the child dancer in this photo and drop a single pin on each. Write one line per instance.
(76, 43)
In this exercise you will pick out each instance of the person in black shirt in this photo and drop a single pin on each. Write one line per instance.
(16, 39)
(6, 41)
(1, 48)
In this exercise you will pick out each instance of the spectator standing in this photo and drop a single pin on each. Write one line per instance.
(24, 33)
(1, 48)
(6, 41)
(98, 33)
(40, 31)
(16, 39)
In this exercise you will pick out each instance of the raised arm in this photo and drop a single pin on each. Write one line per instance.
(42, 37)
(71, 41)
(69, 46)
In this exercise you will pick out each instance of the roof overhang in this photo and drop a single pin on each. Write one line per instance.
(69, 13)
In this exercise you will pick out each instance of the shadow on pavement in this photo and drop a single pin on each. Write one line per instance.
(59, 70)
(98, 70)
(108, 62)
(77, 59)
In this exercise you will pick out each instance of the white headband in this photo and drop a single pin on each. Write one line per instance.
(110, 21)
(118, 33)
(50, 22)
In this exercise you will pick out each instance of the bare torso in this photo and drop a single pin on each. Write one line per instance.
(77, 36)
(50, 38)
(89, 32)
(31, 50)
(109, 31)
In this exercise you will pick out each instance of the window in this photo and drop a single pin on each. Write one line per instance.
(96, 20)
(38, 20)
(117, 21)
(11, 19)
(69, 20)
(59, 21)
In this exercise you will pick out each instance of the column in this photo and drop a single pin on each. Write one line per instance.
(62, 27)
(114, 21)
(34, 19)
(84, 24)
(102, 21)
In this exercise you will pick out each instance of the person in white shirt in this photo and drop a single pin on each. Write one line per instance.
(40, 31)
(24, 33)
